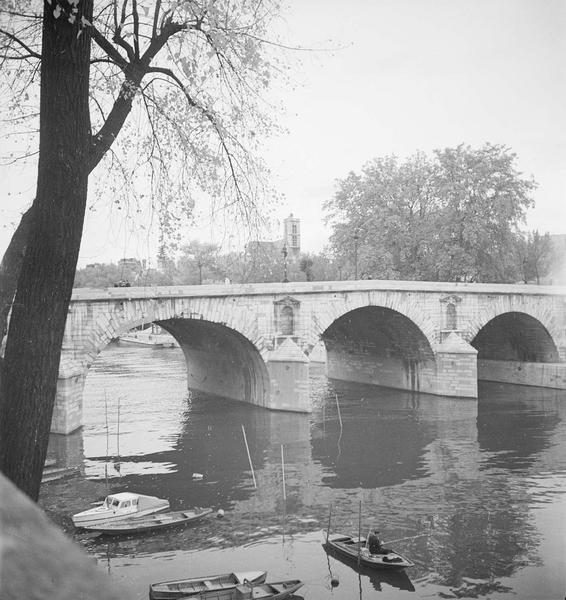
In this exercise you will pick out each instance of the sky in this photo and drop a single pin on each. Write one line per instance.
(391, 77)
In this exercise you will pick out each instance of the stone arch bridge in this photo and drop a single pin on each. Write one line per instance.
(252, 342)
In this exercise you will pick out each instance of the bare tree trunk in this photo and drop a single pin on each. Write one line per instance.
(39, 311)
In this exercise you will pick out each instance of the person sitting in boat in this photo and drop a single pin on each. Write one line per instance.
(374, 543)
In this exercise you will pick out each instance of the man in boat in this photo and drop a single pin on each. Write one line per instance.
(374, 542)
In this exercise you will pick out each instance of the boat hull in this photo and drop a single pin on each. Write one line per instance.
(266, 591)
(182, 588)
(152, 522)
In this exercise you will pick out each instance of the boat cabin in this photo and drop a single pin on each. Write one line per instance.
(122, 501)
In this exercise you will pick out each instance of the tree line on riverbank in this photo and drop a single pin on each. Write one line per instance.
(457, 215)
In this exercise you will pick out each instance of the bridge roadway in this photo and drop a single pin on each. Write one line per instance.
(251, 342)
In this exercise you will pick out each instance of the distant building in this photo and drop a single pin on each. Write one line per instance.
(292, 235)
(291, 240)
(131, 264)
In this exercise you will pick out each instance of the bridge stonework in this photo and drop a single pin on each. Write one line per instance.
(251, 342)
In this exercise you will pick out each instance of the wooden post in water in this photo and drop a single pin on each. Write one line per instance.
(283, 471)
(107, 442)
(339, 414)
(249, 457)
(329, 517)
(359, 532)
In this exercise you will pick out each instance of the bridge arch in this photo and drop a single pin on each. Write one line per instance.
(215, 339)
(529, 316)
(123, 316)
(515, 336)
(381, 346)
(380, 331)
(409, 305)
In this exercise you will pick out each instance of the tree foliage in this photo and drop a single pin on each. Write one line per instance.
(176, 94)
(453, 217)
(536, 255)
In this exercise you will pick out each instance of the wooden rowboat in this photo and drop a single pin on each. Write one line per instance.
(169, 590)
(355, 549)
(262, 591)
(152, 522)
(396, 578)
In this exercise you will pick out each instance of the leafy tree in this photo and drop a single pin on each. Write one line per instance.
(306, 266)
(198, 263)
(263, 262)
(536, 256)
(452, 217)
(189, 74)
(484, 201)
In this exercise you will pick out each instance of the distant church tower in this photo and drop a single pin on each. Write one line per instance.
(292, 234)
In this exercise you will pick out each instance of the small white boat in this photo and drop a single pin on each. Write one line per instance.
(118, 506)
(152, 337)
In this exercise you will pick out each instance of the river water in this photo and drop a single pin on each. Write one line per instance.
(479, 488)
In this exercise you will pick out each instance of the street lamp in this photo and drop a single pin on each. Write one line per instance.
(284, 252)
(356, 238)
(199, 272)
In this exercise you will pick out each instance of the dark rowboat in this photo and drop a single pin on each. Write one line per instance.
(248, 591)
(355, 549)
(396, 578)
(152, 522)
(169, 590)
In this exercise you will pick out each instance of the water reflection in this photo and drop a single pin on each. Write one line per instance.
(463, 480)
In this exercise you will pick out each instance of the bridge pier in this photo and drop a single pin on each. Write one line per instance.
(452, 371)
(68, 408)
(288, 369)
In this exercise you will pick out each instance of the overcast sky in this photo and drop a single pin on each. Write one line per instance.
(401, 76)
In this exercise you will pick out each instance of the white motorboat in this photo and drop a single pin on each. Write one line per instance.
(119, 506)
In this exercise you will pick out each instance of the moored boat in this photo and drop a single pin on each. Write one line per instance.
(119, 506)
(355, 548)
(396, 578)
(278, 590)
(152, 522)
(169, 590)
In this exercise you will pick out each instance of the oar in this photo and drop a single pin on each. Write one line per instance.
(412, 537)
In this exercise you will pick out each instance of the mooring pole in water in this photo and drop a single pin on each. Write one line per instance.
(107, 442)
(338, 407)
(249, 457)
(359, 532)
(329, 517)
(283, 471)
